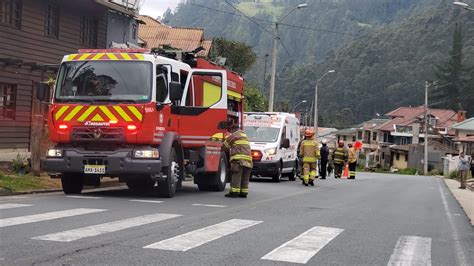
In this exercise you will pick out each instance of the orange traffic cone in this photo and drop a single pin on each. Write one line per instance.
(345, 174)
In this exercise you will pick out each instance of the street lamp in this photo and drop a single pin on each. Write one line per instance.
(316, 102)
(463, 5)
(274, 56)
(294, 108)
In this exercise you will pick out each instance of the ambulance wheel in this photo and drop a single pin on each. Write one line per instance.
(72, 183)
(294, 173)
(167, 187)
(277, 176)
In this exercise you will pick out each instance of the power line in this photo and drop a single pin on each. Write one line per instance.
(269, 21)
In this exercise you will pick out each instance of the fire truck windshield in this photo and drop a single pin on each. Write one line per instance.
(128, 81)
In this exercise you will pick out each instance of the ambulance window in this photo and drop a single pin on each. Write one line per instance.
(283, 133)
(161, 88)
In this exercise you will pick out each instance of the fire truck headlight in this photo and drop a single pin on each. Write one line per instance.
(146, 154)
(270, 152)
(55, 153)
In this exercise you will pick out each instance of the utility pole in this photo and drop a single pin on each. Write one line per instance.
(425, 159)
(273, 74)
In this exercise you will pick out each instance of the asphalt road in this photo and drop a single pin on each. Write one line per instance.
(376, 219)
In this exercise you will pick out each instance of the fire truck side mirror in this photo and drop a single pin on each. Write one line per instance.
(176, 91)
(41, 91)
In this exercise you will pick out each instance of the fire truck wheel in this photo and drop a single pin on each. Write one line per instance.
(72, 183)
(167, 188)
(218, 179)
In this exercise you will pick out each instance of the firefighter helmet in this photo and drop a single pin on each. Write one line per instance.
(309, 133)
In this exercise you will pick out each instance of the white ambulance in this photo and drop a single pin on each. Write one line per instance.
(274, 139)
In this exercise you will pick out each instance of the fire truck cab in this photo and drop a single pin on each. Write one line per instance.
(143, 117)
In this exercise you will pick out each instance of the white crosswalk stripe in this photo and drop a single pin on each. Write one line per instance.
(82, 197)
(13, 205)
(95, 230)
(202, 236)
(147, 201)
(303, 247)
(46, 216)
(411, 250)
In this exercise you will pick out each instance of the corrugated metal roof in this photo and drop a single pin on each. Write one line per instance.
(150, 21)
(185, 39)
(409, 115)
(467, 124)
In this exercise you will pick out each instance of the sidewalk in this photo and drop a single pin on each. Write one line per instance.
(465, 197)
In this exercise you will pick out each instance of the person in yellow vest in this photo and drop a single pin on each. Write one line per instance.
(352, 159)
(309, 150)
(240, 162)
(339, 158)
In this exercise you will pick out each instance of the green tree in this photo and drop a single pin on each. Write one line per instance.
(452, 76)
(254, 99)
(239, 56)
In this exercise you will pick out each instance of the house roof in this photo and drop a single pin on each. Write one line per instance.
(185, 39)
(467, 124)
(400, 147)
(149, 21)
(373, 123)
(346, 131)
(409, 115)
(465, 139)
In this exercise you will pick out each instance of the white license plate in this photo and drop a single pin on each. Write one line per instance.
(94, 169)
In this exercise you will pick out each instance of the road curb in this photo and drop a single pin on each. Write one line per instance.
(463, 197)
(4, 193)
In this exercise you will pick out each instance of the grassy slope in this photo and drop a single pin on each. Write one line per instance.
(251, 9)
(17, 183)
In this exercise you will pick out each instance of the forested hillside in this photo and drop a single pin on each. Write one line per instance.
(383, 50)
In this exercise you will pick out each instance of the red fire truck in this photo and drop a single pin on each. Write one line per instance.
(141, 116)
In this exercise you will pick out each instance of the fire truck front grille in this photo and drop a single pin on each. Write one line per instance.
(108, 134)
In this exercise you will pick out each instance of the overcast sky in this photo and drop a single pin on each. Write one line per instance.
(155, 8)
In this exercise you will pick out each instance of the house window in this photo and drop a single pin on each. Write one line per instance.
(89, 29)
(374, 136)
(397, 156)
(52, 19)
(7, 101)
(432, 120)
(406, 157)
(10, 12)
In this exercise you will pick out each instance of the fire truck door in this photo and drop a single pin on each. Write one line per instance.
(203, 109)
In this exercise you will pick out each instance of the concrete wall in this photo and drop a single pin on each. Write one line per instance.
(402, 162)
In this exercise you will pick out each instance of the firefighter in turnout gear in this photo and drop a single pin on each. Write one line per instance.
(339, 158)
(352, 159)
(309, 150)
(240, 162)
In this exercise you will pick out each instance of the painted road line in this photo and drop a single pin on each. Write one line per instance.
(12, 205)
(46, 216)
(147, 201)
(202, 236)
(95, 230)
(210, 205)
(411, 250)
(303, 247)
(83, 197)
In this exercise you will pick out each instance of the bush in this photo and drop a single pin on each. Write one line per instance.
(454, 174)
(407, 171)
(20, 164)
(434, 172)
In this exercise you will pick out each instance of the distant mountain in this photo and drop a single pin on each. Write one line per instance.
(383, 50)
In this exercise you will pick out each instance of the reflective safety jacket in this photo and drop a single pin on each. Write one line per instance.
(309, 149)
(352, 155)
(239, 147)
(339, 156)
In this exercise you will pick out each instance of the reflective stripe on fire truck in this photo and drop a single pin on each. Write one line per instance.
(104, 56)
(99, 113)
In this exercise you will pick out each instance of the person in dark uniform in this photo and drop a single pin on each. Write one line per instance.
(324, 152)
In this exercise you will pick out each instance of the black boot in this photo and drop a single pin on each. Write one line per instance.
(231, 195)
(311, 183)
